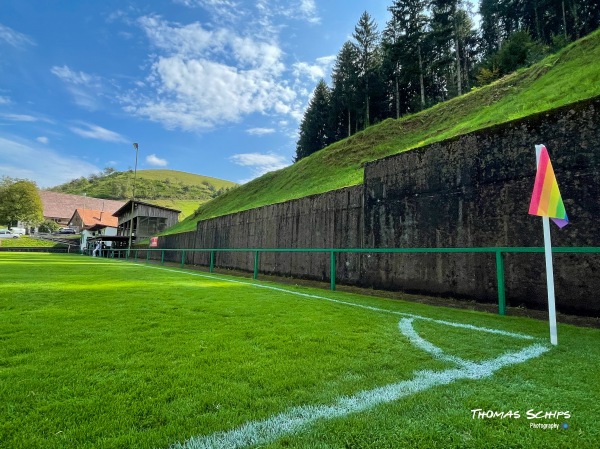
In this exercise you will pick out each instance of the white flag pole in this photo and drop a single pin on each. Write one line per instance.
(549, 268)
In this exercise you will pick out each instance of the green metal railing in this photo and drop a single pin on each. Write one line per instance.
(497, 251)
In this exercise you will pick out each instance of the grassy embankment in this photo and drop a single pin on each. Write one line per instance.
(571, 75)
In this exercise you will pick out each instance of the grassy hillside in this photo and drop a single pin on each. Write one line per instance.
(185, 179)
(187, 207)
(169, 188)
(572, 74)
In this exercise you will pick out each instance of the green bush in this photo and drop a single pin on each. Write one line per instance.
(48, 226)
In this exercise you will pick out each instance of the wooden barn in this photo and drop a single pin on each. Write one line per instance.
(145, 219)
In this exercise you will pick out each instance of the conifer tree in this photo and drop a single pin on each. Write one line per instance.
(344, 92)
(315, 129)
(367, 42)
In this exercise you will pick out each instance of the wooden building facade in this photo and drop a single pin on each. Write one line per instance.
(144, 219)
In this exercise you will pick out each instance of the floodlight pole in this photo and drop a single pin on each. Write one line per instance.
(135, 145)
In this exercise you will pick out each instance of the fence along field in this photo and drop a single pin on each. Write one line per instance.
(103, 353)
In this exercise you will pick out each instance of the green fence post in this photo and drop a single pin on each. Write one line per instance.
(500, 277)
(182, 258)
(162, 257)
(147, 255)
(136, 255)
(332, 270)
(212, 262)
(256, 253)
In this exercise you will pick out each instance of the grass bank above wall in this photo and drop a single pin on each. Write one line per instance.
(571, 75)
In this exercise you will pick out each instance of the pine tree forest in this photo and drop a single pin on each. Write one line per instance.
(430, 51)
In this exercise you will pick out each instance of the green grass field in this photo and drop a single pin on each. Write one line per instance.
(101, 353)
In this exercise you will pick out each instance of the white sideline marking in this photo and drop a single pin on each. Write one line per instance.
(297, 418)
(347, 303)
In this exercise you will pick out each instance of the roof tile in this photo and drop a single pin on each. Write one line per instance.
(63, 205)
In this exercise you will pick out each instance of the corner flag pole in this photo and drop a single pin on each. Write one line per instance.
(550, 281)
(549, 267)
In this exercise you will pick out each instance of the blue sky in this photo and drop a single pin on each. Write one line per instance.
(213, 87)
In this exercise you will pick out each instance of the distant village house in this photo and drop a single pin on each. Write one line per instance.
(59, 207)
(93, 223)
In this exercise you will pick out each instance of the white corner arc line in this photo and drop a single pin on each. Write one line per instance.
(407, 329)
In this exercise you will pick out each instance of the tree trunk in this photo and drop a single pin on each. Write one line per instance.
(466, 72)
(349, 122)
(397, 99)
(564, 20)
(367, 122)
(575, 19)
(537, 22)
(421, 80)
(458, 71)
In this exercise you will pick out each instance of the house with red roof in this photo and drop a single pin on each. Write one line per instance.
(93, 223)
(92, 219)
(59, 207)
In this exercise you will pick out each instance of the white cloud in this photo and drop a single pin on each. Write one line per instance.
(190, 40)
(319, 70)
(314, 72)
(291, 9)
(44, 166)
(309, 10)
(71, 77)
(223, 10)
(207, 77)
(14, 38)
(209, 74)
(326, 61)
(42, 139)
(85, 88)
(19, 117)
(260, 163)
(260, 11)
(92, 131)
(156, 161)
(260, 131)
(4, 100)
(258, 159)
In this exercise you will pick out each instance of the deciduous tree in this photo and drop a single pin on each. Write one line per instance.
(20, 201)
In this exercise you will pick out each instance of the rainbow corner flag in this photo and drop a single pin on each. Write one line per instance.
(546, 200)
